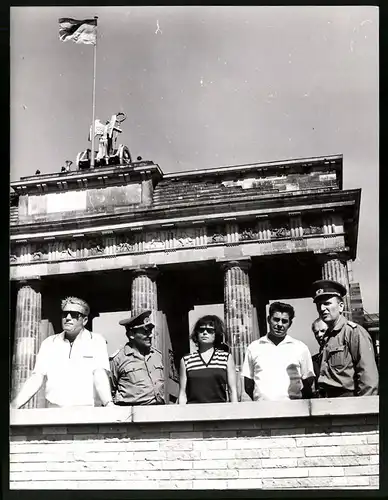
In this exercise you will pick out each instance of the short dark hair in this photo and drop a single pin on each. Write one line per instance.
(282, 307)
(218, 327)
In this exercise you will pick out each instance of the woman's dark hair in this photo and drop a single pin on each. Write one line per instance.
(282, 307)
(218, 327)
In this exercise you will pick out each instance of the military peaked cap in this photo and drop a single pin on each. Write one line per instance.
(322, 288)
(138, 320)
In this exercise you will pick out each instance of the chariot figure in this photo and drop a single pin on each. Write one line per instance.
(108, 153)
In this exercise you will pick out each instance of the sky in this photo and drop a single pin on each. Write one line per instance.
(205, 87)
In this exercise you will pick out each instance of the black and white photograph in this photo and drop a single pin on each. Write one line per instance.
(194, 248)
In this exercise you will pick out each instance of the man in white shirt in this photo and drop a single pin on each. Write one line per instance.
(277, 366)
(74, 363)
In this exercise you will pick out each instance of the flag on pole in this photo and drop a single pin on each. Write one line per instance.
(78, 31)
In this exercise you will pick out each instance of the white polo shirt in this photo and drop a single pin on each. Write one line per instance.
(277, 370)
(69, 368)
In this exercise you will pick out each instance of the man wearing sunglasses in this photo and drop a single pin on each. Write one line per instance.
(137, 374)
(74, 363)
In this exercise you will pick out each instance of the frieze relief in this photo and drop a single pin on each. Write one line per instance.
(165, 240)
(249, 233)
(155, 240)
(312, 226)
(67, 249)
(39, 253)
(216, 234)
(95, 246)
(280, 229)
(313, 229)
(186, 237)
(124, 243)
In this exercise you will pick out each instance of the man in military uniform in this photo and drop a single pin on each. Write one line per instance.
(137, 374)
(348, 366)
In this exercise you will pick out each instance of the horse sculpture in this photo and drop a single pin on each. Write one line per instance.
(108, 153)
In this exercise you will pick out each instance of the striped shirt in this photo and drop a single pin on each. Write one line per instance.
(207, 382)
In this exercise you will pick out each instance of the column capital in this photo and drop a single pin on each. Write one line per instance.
(35, 282)
(244, 264)
(344, 256)
(151, 271)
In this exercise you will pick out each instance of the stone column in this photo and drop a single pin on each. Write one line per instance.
(27, 333)
(335, 268)
(145, 296)
(45, 329)
(238, 314)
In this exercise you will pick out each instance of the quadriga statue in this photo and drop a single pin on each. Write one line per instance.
(108, 153)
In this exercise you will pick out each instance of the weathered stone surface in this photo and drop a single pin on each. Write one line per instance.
(238, 313)
(334, 268)
(27, 336)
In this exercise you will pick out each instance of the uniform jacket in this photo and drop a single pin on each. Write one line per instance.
(348, 359)
(137, 379)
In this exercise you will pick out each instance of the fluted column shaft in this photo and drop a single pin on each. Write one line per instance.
(335, 268)
(238, 313)
(27, 332)
(145, 296)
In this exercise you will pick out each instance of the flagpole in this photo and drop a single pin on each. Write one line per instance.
(94, 96)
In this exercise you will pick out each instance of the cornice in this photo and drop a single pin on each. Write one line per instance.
(262, 166)
(86, 178)
(96, 177)
(144, 217)
(163, 219)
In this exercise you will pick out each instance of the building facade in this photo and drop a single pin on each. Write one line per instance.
(131, 237)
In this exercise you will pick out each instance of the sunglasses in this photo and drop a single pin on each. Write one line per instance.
(73, 314)
(205, 328)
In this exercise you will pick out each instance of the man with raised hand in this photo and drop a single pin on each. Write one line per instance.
(74, 363)
(277, 366)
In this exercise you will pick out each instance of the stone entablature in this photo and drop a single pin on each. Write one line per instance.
(323, 244)
(282, 227)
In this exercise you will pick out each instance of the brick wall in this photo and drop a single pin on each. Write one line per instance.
(336, 450)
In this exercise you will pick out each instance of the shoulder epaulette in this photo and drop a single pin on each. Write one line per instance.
(113, 355)
(157, 350)
(352, 324)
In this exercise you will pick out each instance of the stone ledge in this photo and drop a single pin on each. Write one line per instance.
(196, 413)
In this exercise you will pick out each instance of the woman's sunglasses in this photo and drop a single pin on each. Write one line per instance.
(204, 328)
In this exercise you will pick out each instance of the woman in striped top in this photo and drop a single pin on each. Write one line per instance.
(208, 375)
